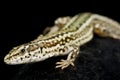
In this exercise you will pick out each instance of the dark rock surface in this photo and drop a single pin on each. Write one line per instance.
(98, 60)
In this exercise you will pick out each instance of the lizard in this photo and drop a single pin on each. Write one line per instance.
(64, 38)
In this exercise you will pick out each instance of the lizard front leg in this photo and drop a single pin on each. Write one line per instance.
(70, 58)
(59, 23)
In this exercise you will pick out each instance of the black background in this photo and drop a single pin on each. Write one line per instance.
(22, 22)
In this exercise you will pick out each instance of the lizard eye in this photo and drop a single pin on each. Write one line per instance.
(22, 50)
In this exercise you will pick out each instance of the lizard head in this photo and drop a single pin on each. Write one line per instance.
(16, 55)
(26, 53)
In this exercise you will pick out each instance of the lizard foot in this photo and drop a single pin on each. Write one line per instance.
(64, 63)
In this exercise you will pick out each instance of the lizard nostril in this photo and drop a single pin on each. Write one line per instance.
(21, 58)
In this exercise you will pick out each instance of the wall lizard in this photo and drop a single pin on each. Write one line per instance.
(64, 38)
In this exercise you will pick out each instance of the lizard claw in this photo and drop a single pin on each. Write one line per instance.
(64, 63)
